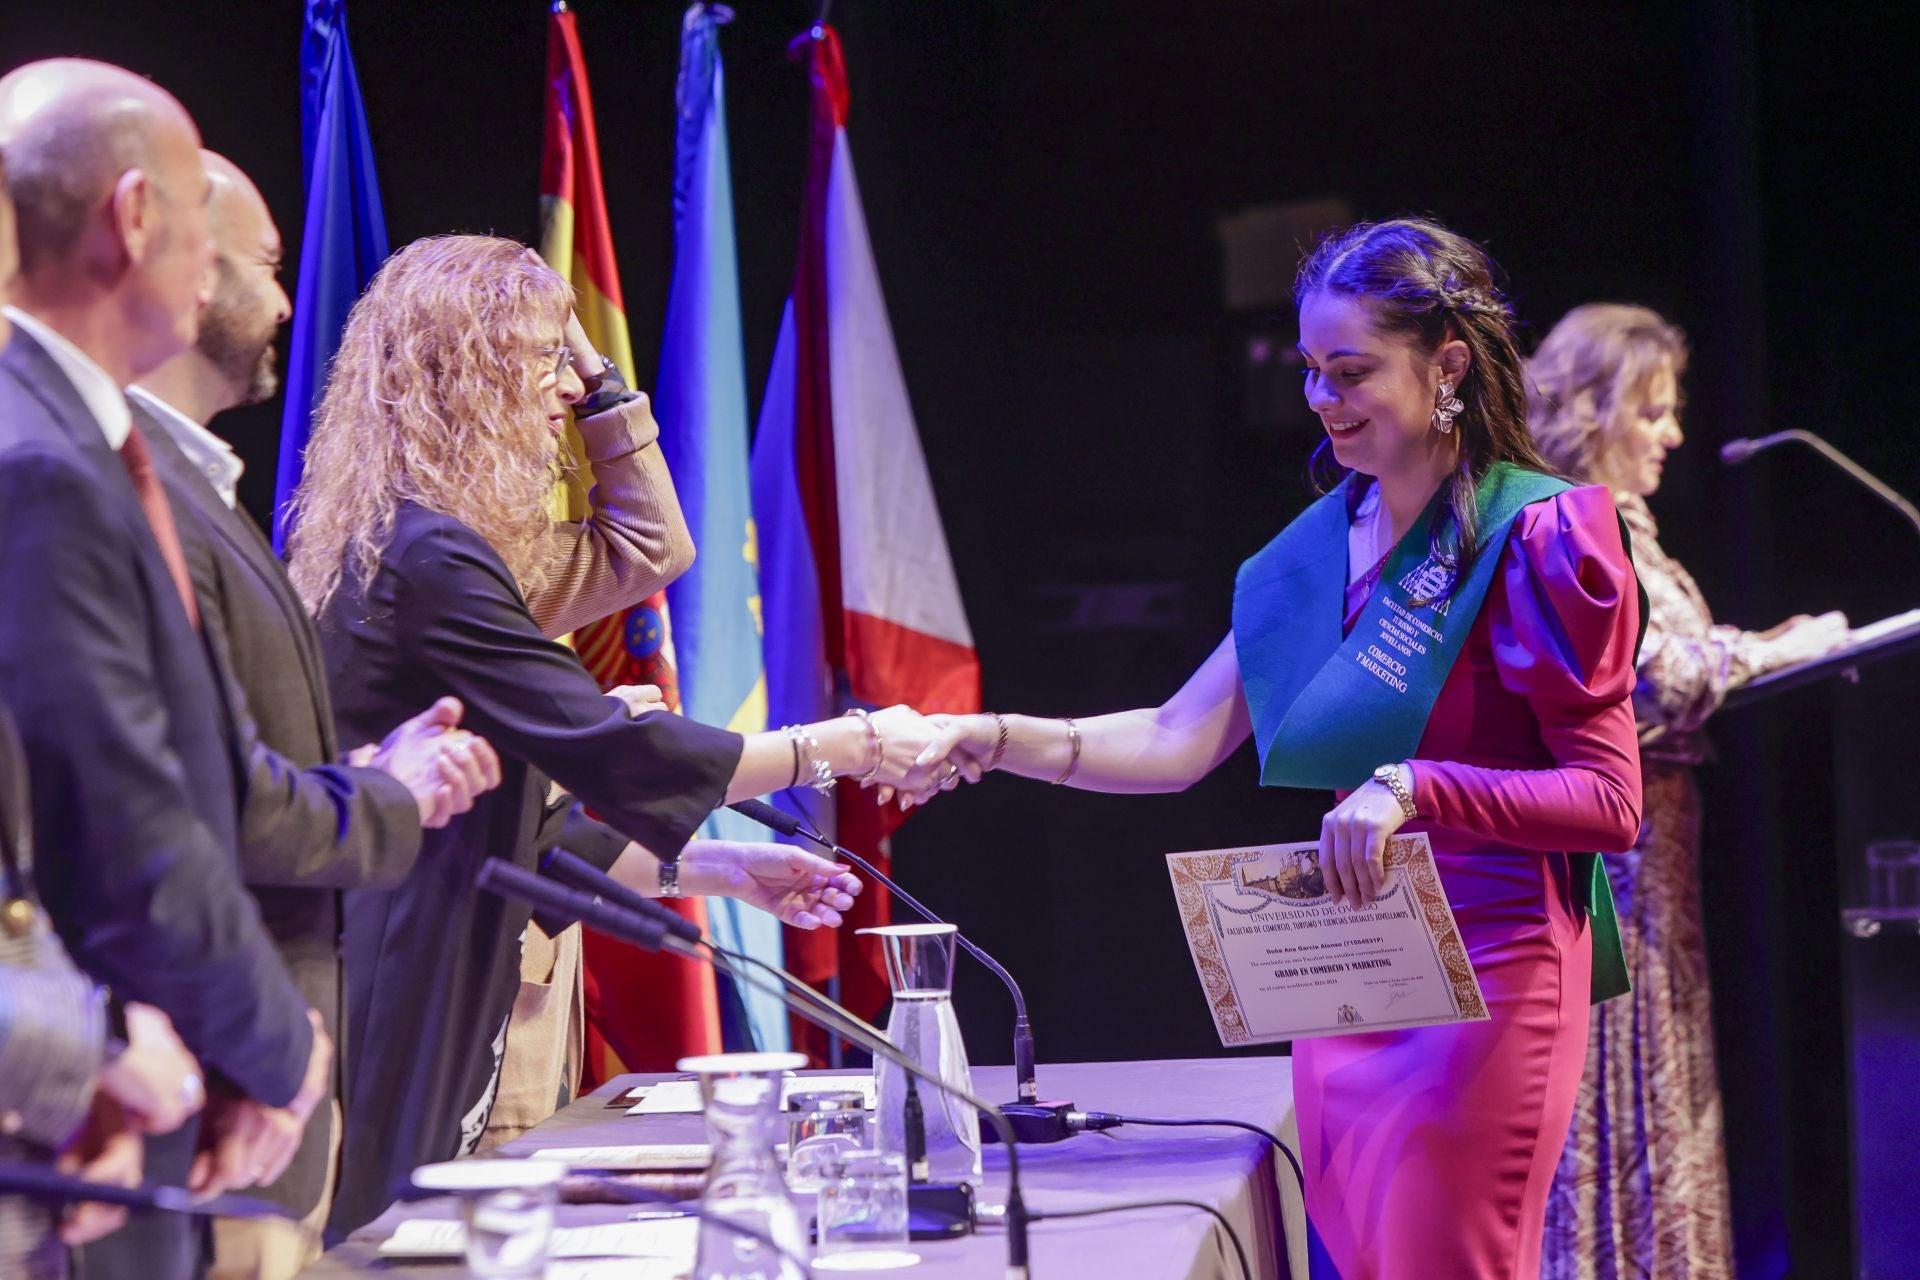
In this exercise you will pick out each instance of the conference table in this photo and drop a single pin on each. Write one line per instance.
(1232, 1170)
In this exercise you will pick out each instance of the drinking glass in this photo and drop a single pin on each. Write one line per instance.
(863, 1214)
(822, 1126)
(507, 1209)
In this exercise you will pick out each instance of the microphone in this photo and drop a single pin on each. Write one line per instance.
(1033, 1121)
(506, 880)
(40, 1182)
(584, 876)
(572, 869)
(1735, 452)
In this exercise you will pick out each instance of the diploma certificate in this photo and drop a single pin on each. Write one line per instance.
(1280, 960)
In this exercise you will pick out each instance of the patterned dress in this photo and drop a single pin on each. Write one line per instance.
(1642, 1185)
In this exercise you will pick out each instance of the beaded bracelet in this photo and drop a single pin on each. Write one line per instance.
(879, 745)
(1073, 738)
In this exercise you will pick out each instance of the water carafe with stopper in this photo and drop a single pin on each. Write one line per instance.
(922, 1026)
(740, 1096)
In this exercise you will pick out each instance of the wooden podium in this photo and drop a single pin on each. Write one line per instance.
(1874, 699)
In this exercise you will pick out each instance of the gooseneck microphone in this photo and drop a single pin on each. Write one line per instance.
(1735, 452)
(789, 825)
(506, 880)
(575, 870)
(1033, 1121)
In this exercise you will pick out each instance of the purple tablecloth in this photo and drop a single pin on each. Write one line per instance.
(1229, 1169)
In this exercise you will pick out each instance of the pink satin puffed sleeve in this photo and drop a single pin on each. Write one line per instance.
(1563, 618)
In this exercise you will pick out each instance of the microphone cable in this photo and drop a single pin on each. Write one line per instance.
(1233, 1237)
(799, 987)
(628, 1194)
(1100, 1121)
(1015, 1212)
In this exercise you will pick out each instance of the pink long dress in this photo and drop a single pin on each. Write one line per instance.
(1429, 1153)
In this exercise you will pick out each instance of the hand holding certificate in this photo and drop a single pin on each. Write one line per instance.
(1279, 959)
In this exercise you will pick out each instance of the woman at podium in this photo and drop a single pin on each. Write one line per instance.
(1506, 734)
(1642, 1184)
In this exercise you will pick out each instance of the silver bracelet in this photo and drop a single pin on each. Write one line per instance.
(879, 746)
(1073, 761)
(811, 758)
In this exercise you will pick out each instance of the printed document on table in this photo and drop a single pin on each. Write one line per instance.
(672, 1238)
(682, 1097)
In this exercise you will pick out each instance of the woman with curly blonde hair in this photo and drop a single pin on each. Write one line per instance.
(1642, 1185)
(425, 549)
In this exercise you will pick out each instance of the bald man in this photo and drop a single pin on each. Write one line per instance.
(131, 741)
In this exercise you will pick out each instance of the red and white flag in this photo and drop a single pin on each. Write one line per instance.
(860, 599)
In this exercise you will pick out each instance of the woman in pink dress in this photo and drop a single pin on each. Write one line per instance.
(1510, 741)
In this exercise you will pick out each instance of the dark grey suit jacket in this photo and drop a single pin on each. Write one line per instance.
(136, 758)
(308, 829)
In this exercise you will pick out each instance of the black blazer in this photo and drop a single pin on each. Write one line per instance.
(135, 755)
(308, 828)
(433, 966)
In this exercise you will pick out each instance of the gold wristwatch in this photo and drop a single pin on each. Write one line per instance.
(1388, 776)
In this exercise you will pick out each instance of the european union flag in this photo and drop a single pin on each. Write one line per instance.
(700, 398)
(344, 240)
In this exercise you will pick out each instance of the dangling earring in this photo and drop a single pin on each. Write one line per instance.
(1446, 408)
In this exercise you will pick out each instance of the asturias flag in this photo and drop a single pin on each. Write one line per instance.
(647, 1010)
(344, 240)
(700, 399)
(860, 596)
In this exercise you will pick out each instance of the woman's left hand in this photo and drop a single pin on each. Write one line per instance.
(802, 890)
(1353, 841)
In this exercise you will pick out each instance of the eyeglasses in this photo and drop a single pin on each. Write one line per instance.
(559, 355)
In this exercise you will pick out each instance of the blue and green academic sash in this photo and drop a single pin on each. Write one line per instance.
(1328, 709)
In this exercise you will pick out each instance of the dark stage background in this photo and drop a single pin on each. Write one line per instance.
(1043, 183)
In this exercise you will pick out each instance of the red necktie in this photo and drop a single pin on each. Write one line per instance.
(138, 461)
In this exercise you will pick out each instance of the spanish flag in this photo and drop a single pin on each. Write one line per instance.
(643, 1011)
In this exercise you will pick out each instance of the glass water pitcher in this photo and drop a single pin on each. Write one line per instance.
(922, 1026)
(740, 1095)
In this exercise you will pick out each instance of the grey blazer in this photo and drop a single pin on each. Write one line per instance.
(308, 828)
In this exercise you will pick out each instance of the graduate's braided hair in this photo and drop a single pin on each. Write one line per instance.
(1434, 285)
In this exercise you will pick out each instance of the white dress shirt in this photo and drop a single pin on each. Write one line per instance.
(95, 385)
(212, 456)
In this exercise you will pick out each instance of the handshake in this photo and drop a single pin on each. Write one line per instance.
(920, 756)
